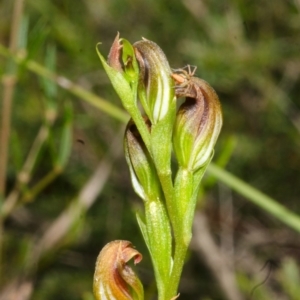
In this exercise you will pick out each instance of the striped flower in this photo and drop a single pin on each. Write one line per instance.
(155, 88)
(198, 121)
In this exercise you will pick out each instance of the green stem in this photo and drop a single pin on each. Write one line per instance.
(178, 262)
(161, 149)
(255, 196)
(167, 187)
(141, 125)
(182, 200)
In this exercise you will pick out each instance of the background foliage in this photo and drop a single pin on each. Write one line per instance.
(79, 197)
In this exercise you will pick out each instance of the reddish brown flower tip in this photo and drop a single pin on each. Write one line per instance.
(113, 278)
(113, 58)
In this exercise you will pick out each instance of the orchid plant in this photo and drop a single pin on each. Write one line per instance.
(140, 74)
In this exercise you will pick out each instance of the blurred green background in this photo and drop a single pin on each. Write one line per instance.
(67, 190)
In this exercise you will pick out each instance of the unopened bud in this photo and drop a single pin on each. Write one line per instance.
(155, 87)
(142, 169)
(198, 121)
(122, 70)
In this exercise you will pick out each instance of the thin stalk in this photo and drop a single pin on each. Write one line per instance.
(8, 91)
(182, 200)
(24, 175)
(9, 81)
(255, 196)
(42, 184)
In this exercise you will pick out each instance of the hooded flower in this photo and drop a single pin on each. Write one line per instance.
(113, 278)
(155, 86)
(198, 122)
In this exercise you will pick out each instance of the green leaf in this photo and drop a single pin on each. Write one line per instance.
(66, 137)
(160, 242)
(263, 201)
(143, 229)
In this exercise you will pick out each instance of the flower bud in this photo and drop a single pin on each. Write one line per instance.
(142, 169)
(114, 55)
(198, 121)
(113, 278)
(155, 86)
(122, 70)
